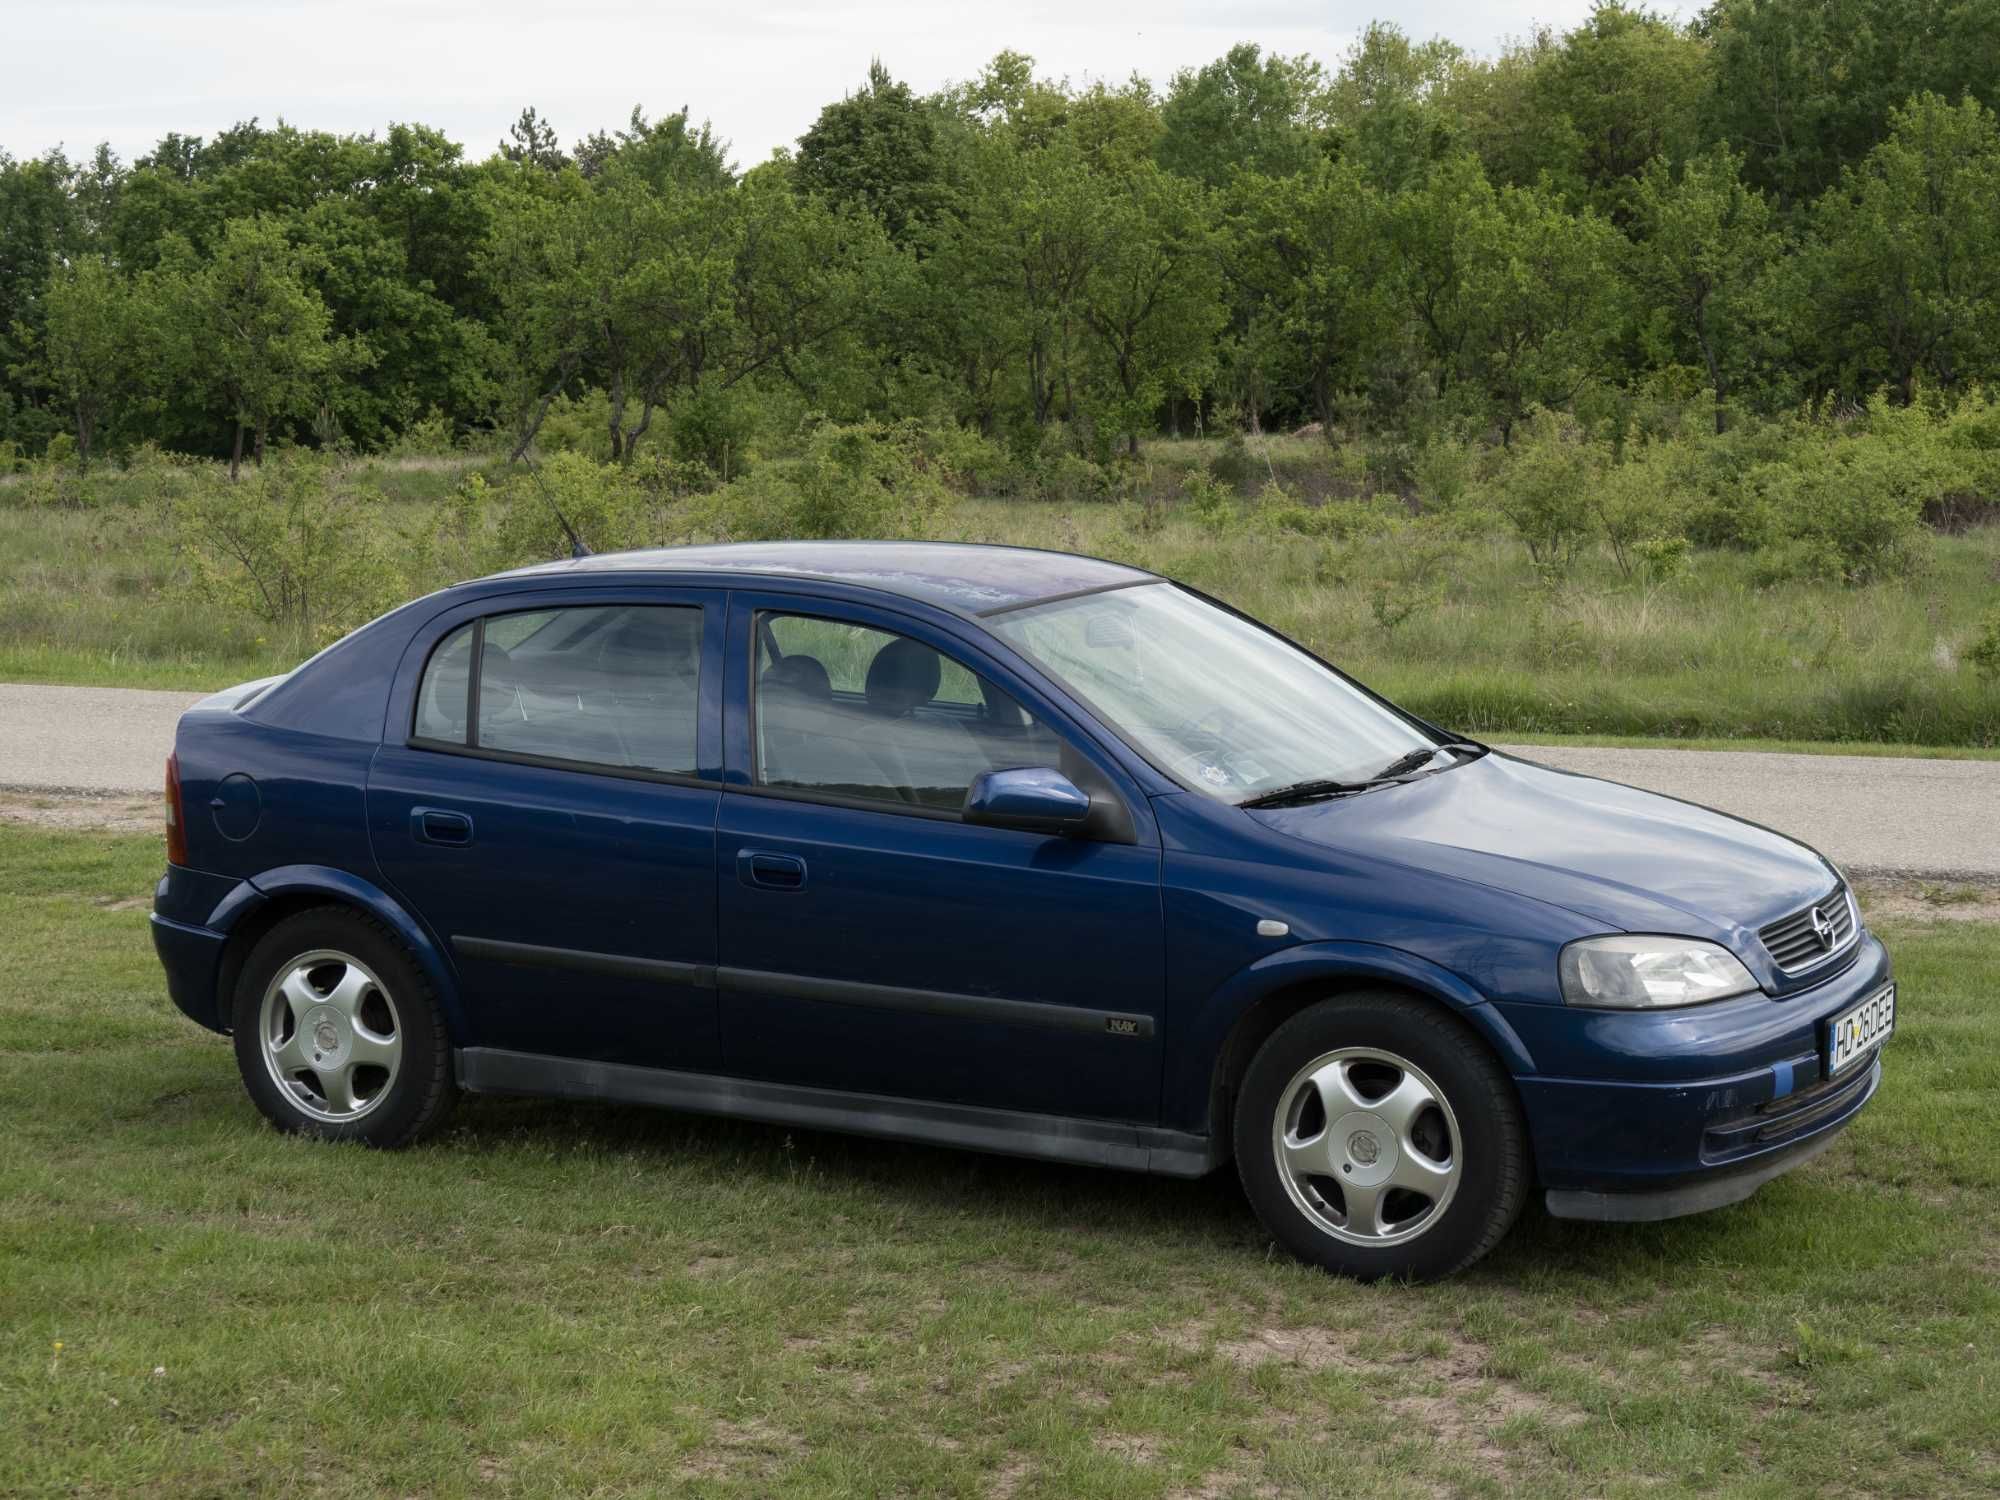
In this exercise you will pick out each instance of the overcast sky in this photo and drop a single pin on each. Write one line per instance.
(127, 71)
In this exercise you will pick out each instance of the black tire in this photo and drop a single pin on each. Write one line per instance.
(408, 1102)
(1491, 1155)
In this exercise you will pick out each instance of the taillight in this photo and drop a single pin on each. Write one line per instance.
(177, 847)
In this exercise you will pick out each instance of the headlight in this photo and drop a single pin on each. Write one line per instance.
(1650, 973)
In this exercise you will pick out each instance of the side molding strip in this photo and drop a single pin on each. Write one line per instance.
(806, 987)
(1100, 1143)
(534, 956)
(937, 1002)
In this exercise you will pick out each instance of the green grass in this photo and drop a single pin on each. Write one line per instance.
(99, 595)
(563, 1299)
(1783, 747)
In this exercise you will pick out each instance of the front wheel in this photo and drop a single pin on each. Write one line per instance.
(339, 1035)
(1376, 1136)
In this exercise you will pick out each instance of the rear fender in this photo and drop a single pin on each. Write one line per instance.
(339, 887)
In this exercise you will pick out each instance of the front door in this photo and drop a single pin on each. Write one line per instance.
(872, 941)
(548, 815)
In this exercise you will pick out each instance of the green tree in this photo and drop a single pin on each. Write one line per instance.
(260, 339)
(1312, 252)
(1152, 303)
(876, 149)
(1805, 87)
(1627, 87)
(531, 141)
(1242, 112)
(90, 350)
(1513, 296)
(1701, 268)
(1385, 105)
(1904, 264)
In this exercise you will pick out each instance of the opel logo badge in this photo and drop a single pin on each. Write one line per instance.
(1363, 1148)
(1822, 928)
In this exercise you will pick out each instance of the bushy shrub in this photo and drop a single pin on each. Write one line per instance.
(860, 479)
(1232, 465)
(1641, 510)
(1544, 490)
(1210, 502)
(1849, 505)
(296, 542)
(713, 428)
(1984, 653)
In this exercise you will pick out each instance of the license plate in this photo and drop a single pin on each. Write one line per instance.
(1854, 1033)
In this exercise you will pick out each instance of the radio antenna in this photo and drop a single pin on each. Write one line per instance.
(576, 546)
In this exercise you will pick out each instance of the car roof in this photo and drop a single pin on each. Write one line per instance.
(964, 577)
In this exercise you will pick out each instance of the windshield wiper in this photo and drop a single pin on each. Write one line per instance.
(1305, 791)
(1402, 765)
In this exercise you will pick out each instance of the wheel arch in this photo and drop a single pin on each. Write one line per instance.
(259, 904)
(1270, 992)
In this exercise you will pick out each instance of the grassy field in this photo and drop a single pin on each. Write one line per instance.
(99, 595)
(560, 1299)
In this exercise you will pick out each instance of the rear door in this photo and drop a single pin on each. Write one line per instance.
(873, 941)
(550, 814)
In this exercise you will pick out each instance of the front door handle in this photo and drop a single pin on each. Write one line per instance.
(769, 871)
(438, 825)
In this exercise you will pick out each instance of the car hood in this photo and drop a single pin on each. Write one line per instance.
(1634, 860)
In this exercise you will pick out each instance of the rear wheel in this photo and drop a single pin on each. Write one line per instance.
(338, 1033)
(1377, 1137)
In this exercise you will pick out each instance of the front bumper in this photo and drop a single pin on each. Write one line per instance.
(1673, 1112)
(1717, 1189)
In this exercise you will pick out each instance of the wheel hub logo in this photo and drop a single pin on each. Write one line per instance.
(1364, 1148)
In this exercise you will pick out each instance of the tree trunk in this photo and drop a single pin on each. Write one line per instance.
(534, 426)
(236, 452)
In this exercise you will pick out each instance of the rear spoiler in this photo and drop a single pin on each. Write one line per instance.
(231, 699)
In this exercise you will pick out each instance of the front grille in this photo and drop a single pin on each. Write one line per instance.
(1807, 939)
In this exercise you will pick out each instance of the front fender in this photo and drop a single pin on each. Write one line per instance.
(291, 881)
(1202, 1038)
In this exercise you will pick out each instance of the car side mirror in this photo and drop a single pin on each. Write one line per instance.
(1036, 800)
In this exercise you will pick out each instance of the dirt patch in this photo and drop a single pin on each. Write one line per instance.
(1455, 1396)
(1007, 1479)
(69, 812)
(1131, 1448)
(1928, 901)
(751, 1446)
(1310, 1349)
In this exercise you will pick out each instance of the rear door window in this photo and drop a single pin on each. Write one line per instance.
(600, 686)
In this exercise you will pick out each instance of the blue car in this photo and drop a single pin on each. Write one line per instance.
(1004, 849)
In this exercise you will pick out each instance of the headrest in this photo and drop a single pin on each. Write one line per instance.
(804, 675)
(904, 675)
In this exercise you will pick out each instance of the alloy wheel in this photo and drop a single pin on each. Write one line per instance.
(331, 1036)
(1367, 1146)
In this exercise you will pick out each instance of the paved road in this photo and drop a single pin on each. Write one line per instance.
(1935, 819)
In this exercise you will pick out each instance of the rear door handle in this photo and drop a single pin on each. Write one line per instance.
(770, 871)
(438, 825)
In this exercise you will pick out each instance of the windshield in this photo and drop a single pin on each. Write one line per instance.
(1216, 702)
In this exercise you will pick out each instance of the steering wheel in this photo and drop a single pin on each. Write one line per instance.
(1196, 725)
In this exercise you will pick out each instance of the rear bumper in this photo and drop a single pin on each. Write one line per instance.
(192, 957)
